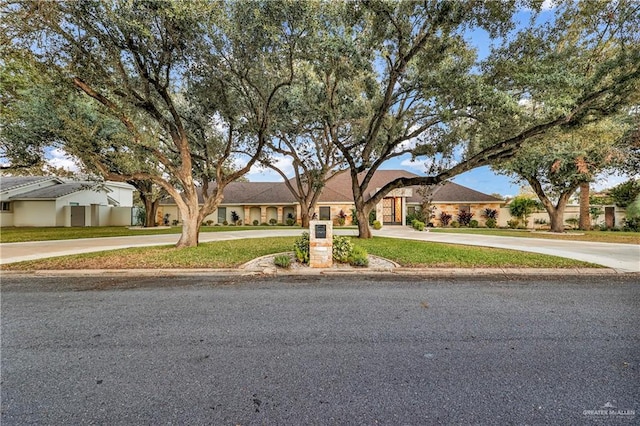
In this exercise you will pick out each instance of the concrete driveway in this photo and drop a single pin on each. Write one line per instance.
(621, 257)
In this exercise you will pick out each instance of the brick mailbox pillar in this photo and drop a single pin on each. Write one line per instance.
(320, 244)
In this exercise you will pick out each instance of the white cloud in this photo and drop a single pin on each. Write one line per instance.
(259, 173)
(60, 159)
(548, 5)
(418, 165)
(607, 181)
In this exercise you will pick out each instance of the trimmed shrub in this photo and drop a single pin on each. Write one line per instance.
(291, 222)
(256, 222)
(473, 223)
(359, 257)
(225, 223)
(455, 224)
(490, 223)
(631, 224)
(418, 226)
(282, 261)
(273, 221)
(377, 224)
(342, 248)
(513, 223)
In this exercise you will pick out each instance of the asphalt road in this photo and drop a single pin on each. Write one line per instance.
(318, 350)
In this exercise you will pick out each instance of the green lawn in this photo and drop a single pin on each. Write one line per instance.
(13, 235)
(231, 254)
(594, 236)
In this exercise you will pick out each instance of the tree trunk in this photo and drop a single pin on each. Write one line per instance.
(556, 216)
(190, 231)
(362, 214)
(304, 219)
(151, 210)
(585, 217)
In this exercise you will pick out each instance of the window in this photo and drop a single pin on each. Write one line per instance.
(222, 214)
(74, 204)
(6, 206)
(325, 213)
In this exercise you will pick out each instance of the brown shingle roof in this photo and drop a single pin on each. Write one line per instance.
(338, 189)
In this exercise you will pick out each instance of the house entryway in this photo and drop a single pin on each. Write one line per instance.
(392, 211)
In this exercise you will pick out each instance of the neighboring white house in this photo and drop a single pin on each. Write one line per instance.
(53, 201)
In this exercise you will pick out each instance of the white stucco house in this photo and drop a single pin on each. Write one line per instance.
(53, 201)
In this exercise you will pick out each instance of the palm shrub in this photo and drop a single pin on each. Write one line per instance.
(445, 218)
(464, 217)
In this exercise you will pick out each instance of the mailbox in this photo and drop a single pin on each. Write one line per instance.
(321, 231)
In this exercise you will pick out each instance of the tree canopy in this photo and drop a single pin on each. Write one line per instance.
(189, 95)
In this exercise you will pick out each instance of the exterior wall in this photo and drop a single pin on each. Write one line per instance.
(335, 209)
(34, 213)
(571, 211)
(454, 208)
(121, 192)
(6, 218)
(119, 216)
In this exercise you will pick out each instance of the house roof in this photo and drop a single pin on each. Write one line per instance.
(8, 183)
(52, 192)
(338, 190)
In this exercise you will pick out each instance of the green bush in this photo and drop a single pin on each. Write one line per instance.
(273, 221)
(256, 222)
(225, 223)
(359, 257)
(377, 224)
(342, 248)
(291, 222)
(301, 248)
(473, 223)
(513, 223)
(490, 223)
(455, 224)
(282, 260)
(631, 224)
(418, 226)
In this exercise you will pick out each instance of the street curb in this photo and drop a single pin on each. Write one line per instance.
(272, 271)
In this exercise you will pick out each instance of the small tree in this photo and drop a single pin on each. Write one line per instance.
(522, 207)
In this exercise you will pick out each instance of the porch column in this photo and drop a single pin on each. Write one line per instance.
(263, 214)
(280, 214)
(247, 215)
(404, 211)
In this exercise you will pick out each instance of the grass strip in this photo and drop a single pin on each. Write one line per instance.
(233, 253)
(620, 237)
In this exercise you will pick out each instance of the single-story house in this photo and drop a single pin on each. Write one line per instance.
(53, 201)
(267, 201)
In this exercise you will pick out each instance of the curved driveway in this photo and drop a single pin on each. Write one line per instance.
(621, 257)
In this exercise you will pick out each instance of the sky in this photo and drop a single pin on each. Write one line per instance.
(481, 179)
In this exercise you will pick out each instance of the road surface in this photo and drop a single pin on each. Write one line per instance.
(320, 350)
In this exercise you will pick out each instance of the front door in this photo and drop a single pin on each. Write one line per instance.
(392, 211)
